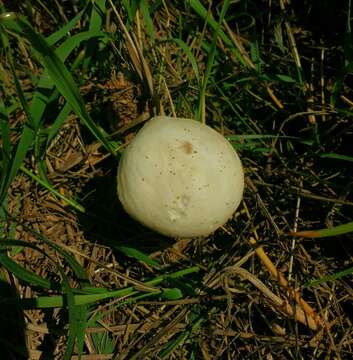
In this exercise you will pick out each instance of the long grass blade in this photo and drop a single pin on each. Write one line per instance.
(17, 270)
(201, 110)
(330, 232)
(61, 33)
(337, 156)
(205, 15)
(189, 55)
(50, 187)
(332, 277)
(145, 12)
(60, 75)
(43, 302)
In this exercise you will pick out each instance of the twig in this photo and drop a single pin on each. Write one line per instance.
(295, 227)
(284, 283)
(281, 304)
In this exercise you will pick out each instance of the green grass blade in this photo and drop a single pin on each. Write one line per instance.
(43, 96)
(95, 24)
(27, 136)
(173, 344)
(41, 99)
(332, 277)
(45, 85)
(255, 56)
(338, 84)
(172, 294)
(102, 341)
(144, 8)
(130, 8)
(59, 301)
(78, 315)
(65, 49)
(337, 156)
(61, 33)
(189, 55)
(25, 142)
(50, 187)
(205, 15)
(71, 261)
(330, 232)
(5, 138)
(17, 270)
(97, 15)
(201, 111)
(35, 112)
(137, 254)
(10, 58)
(180, 339)
(61, 77)
(59, 121)
(281, 78)
(74, 265)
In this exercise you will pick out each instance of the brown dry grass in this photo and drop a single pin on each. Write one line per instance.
(246, 313)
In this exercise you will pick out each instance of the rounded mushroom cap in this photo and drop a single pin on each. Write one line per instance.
(180, 178)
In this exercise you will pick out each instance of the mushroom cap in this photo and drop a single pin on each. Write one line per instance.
(180, 178)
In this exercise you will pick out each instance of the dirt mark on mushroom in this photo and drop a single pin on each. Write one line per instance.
(187, 147)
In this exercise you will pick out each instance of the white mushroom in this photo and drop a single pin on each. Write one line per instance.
(180, 178)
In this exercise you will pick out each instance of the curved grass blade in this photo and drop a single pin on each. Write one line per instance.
(61, 77)
(36, 110)
(78, 313)
(20, 272)
(46, 83)
(27, 135)
(282, 78)
(74, 265)
(173, 344)
(43, 96)
(102, 341)
(189, 55)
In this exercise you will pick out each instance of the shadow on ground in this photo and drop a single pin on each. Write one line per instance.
(107, 223)
(12, 326)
